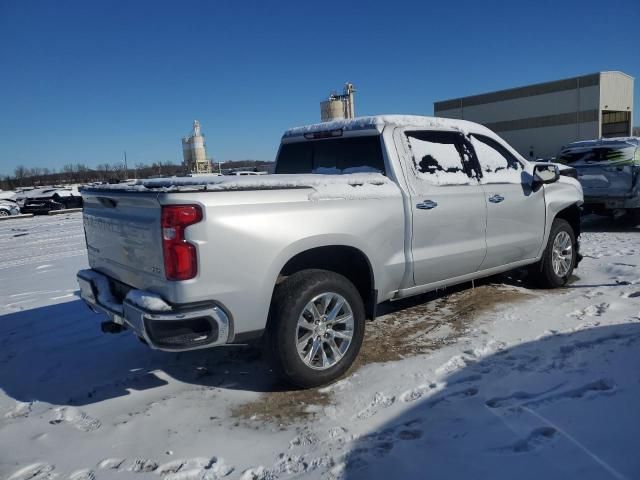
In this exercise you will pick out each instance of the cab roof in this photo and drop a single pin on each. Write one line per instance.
(378, 122)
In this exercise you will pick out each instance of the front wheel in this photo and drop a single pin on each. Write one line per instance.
(316, 327)
(559, 258)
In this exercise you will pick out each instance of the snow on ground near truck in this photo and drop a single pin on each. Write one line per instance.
(498, 381)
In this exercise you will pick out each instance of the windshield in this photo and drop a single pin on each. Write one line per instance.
(620, 155)
(335, 155)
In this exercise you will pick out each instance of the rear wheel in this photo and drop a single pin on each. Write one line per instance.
(559, 258)
(316, 327)
(4, 213)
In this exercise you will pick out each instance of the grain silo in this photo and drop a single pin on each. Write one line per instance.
(331, 109)
(339, 107)
(194, 151)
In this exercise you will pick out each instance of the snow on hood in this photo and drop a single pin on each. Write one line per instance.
(345, 186)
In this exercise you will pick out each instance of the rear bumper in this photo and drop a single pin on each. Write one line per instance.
(184, 327)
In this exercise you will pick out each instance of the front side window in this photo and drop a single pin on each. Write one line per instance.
(439, 158)
(497, 164)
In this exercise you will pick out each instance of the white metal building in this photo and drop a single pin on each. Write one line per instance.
(537, 120)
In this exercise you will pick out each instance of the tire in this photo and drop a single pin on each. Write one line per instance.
(4, 213)
(327, 350)
(557, 263)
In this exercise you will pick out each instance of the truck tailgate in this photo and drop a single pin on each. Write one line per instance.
(123, 235)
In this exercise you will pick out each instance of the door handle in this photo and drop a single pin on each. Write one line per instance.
(426, 205)
(496, 198)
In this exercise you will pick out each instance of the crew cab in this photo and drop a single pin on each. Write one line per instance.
(358, 212)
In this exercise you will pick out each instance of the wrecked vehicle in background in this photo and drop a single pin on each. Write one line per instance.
(44, 200)
(609, 171)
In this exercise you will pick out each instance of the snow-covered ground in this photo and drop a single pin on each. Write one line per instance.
(495, 382)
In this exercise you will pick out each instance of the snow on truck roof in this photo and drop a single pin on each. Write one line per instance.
(378, 122)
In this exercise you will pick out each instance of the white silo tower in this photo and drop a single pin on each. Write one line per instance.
(339, 107)
(331, 109)
(194, 151)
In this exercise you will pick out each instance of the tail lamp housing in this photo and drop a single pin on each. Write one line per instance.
(180, 256)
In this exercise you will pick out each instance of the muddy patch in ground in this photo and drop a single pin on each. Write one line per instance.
(284, 407)
(403, 329)
(422, 324)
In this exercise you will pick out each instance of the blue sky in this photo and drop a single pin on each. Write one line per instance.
(83, 81)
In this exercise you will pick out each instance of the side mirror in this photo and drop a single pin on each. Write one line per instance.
(544, 174)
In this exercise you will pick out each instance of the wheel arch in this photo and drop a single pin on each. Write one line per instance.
(572, 215)
(348, 261)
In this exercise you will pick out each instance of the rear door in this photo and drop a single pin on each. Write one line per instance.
(515, 212)
(447, 206)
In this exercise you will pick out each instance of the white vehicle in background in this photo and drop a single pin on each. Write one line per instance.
(8, 207)
(305, 258)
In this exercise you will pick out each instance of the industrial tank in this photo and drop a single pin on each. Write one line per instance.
(339, 107)
(194, 153)
(331, 109)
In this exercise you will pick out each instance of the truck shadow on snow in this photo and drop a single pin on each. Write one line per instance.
(562, 406)
(57, 354)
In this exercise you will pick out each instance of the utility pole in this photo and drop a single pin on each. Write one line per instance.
(126, 171)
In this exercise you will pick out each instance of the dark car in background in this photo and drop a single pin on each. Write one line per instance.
(44, 200)
(609, 171)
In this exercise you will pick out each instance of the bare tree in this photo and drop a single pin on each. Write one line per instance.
(21, 173)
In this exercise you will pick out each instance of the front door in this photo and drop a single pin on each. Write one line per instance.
(515, 212)
(448, 207)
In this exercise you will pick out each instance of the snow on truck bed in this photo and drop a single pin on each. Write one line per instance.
(325, 186)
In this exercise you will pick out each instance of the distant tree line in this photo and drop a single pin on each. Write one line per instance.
(106, 172)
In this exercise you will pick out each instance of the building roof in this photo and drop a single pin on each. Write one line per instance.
(525, 91)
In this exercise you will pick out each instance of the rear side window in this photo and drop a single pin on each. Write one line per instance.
(497, 164)
(440, 158)
(336, 155)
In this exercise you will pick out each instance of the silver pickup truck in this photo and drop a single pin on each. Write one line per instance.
(359, 212)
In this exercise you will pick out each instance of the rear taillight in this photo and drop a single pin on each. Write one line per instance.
(180, 256)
